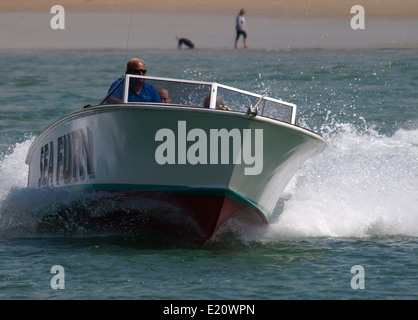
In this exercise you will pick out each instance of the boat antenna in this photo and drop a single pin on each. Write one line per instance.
(129, 30)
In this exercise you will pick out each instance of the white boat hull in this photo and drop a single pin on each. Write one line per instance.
(165, 154)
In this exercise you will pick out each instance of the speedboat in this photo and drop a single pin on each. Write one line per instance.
(183, 168)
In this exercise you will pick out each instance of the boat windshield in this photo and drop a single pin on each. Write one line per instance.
(199, 94)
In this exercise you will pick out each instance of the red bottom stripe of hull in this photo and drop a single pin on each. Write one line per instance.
(193, 217)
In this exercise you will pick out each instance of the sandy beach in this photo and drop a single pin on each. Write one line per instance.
(271, 24)
(275, 8)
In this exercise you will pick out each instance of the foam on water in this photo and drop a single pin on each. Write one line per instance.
(363, 185)
(13, 172)
(13, 169)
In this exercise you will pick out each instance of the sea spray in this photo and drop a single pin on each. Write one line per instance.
(363, 185)
(13, 170)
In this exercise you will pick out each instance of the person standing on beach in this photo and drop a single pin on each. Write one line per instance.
(241, 28)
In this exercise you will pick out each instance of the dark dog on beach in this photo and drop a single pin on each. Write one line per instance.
(186, 42)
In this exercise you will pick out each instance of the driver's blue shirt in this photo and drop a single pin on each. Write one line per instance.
(147, 94)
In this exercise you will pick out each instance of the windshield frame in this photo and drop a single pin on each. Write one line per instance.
(261, 100)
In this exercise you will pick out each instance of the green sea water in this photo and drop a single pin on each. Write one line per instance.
(355, 204)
